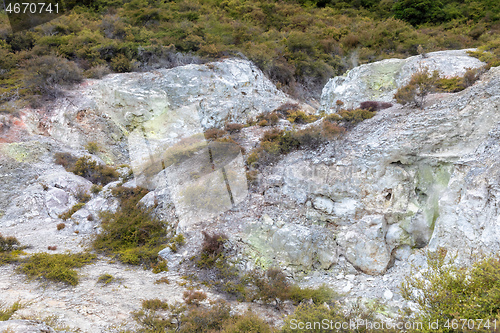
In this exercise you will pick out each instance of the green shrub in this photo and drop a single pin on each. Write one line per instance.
(177, 241)
(194, 297)
(248, 322)
(214, 133)
(82, 196)
(10, 249)
(90, 170)
(353, 117)
(95, 188)
(7, 311)
(92, 147)
(66, 215)
(447, 292)
(233, 127)
(131, 233)
(46, 75)
(105, 278)
(65, 159)
(121, 64)
(318, 295)
(55, 267)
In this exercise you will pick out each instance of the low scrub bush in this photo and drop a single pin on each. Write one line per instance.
(194, 297)
(212, 249)
(268, 119)
(214, 133)
(233, 127)
(87, 168)
(47, 75)
(8, 311)
(277, 142)
(273, 286)
(352, 117)
(374, 105)
(154, 304)
(447, 292)
(300, 117)
(105, 278)
(67, 215)
(423, 82)
(82, 196)
(132, 234)
(55, 267)
(216, 317)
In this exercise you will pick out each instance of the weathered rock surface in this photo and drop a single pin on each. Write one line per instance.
(25, 326)
(408, 178)
(380, 80)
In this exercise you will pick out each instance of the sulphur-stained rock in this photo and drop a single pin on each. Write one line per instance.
(379, 81)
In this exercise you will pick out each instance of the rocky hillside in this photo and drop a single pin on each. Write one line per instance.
(354, 213)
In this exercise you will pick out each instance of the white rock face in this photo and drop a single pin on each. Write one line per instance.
(409, 178)
(380, 80)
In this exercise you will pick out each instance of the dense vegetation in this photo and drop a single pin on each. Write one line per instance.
(299, 45)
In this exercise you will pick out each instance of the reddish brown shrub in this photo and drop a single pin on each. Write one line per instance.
(52, 248)
(374, 105)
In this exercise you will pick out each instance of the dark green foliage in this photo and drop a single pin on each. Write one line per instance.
(132, 234)
(66, 215)
(55, 267)
(92, 147)
(447, 292)
(96, 173)
(87, 168)
(421, 84)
